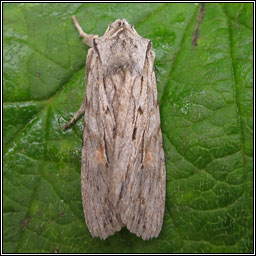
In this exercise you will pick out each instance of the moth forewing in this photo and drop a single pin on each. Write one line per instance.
(123, 169)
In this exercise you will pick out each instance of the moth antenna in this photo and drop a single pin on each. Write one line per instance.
(87, 38)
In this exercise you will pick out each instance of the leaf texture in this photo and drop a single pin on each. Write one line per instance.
(206, 105)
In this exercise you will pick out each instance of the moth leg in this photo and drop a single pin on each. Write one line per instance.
(87, 38)
(77, 115)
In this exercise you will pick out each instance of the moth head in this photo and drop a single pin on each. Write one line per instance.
(118, 26)
(121, 48)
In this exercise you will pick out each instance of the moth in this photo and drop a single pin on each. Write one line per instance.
(123, 167)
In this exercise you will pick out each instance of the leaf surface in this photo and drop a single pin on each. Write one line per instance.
(206, 104)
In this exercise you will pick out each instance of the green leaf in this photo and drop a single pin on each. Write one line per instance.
(206, 104)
